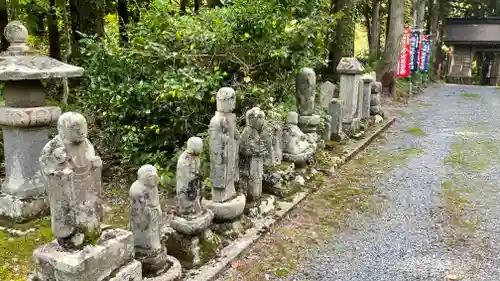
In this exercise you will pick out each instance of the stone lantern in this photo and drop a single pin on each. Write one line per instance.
(25, 121)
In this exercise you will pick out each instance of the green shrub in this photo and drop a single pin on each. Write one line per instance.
(146, 99)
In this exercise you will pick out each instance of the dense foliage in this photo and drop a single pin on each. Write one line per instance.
(145, 99)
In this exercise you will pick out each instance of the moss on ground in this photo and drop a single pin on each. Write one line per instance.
(415, 132)
(352, 190)
(16, 251)
(473, 155)
(471, 96)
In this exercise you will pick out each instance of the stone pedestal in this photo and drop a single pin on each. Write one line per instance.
(367, 92)
(228, 210)
(25, 122)
(335, 110)
(193, 250)
(350, 70)
(375, 104)
(111, 258)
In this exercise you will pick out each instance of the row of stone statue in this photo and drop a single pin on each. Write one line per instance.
(83, 251)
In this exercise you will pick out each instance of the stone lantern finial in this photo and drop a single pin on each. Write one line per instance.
(17, 35)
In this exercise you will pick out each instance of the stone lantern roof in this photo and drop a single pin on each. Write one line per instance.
(19, 62)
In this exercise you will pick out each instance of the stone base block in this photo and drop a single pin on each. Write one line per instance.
(130, 272)
(193, 251)
(263, 207)
(173, 273)
(228, 210)
(375, 109)
(352, 128)
(16, 209)
(113, 250)
(192, 226)
(299, 159)
(309, 124)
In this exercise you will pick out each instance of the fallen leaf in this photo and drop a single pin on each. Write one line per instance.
(236, 264)
(451, 277)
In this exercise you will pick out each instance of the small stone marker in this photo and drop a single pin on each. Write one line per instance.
(366, 97)
(306, 94)
(327, 90)
(25, 122)
(252, 151)
(375, 104)
(145, 223)
(335, 110)
(350, 70)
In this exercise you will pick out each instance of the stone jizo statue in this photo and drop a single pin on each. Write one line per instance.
(224, 139)
(297, 146)
(73, 173)
(190, 179)
(252, 151)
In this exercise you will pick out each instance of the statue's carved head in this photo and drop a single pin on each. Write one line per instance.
(226, 100)
(194, 146)
(255, 118)
(292, 118)
(148, 175)
(72, 127)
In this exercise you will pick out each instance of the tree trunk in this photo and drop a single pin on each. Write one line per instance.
(435, 35)
(124, 19)
(87, 17)
(375, 30)
(13, 9)
(421, 14)
(368, 21)
(392, 47)
(343, 34)
(4, 20)
(54, 47)
(388, 21)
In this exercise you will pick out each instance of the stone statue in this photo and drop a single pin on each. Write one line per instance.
(73, 173)
(146, 223)
(252, 151)
(272, 133)
(297, 146)
(190, 218)
(224, 139)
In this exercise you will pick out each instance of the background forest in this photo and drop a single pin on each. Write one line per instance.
(153, 66)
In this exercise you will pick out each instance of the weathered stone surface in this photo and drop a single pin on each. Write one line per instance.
(227, 210)
(190, 218)
(262, 207)
(335, 110)
(297, 146)
(349, 70)
(145, 211)
(306, 91)
(375, 110)
(366, 98)
(375, 99)
(376, 87)
(19, 63)
(130, 272)
(114, 249)
(272, 133)
(252, 151)
(73, 173)
(224, 149)
(189, 180)
(173, 273)
(193, 251)
(18, 209)
(194, 225)
(327, 90)
(29, 117)
(309, 123)
(350, 66)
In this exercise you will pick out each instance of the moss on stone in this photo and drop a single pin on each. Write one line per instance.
(209, 247)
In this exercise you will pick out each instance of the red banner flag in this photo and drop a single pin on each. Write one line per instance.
(403, 69)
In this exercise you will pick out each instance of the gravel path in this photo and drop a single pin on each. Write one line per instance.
(441, 215)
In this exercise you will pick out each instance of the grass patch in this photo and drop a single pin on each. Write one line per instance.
(471, 96)
(473, 155)
(16, 251)
(415, 132)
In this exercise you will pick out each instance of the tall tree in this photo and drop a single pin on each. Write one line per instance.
(343, 35)
(4, 20)
(87, 17)
(54, 46)
(374, 41)
(421, 14)
(123, 19)
(386, 71)
(434, 34)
